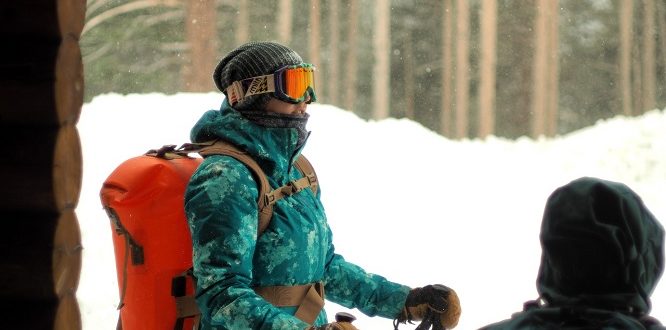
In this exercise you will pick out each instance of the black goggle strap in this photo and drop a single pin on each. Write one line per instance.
(241, 89)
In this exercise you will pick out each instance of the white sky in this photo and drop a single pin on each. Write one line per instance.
(402, 201)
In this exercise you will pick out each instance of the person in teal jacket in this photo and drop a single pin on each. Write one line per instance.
(602, 256)
(268, 88)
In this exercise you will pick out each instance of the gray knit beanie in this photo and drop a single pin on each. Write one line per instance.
(250, 60)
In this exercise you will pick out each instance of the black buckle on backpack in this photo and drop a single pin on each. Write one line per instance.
(169, 148)
(290, 188)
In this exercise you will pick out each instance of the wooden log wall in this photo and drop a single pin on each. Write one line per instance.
(41, 94)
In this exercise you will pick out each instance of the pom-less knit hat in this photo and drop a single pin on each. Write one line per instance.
(250, 60)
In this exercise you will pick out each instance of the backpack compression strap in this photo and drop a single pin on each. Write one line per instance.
(132, 249)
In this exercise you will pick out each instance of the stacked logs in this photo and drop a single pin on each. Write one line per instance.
(41, 94)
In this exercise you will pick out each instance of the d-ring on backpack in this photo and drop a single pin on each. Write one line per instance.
(143, 198)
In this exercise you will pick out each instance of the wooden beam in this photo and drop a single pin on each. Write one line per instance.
(44, 170)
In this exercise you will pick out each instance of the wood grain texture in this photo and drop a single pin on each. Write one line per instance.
(41, 255)
(43, 172)
(41, 82)
(54, 18)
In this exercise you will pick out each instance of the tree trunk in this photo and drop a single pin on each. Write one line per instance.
(488, 64)
(201, 34)
(626, 14)
(540, 69)
(243, 23)
(553, 91)
(382, 64)
(649, 75)
(409, 73)
(283, 22)
(351, 73)
(447, 69)
(637, 77)
(661, 20)
(314, 37)
(333, 72)
(462, 68)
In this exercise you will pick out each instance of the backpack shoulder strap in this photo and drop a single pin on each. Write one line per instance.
(265, 208)
(304, 165)
(267, 195)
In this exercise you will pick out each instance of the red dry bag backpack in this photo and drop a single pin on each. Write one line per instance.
(144, 199)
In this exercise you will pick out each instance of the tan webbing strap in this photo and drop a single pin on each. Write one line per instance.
(304, 165)
(309, 180)
(186, 306)
(131, 245)
(312, 304)
(288, 190)
(265, 208)
(309, 298)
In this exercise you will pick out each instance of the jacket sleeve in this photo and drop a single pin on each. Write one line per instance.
(351, 286)
(221, 207)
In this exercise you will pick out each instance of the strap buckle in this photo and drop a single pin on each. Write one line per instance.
(292, 187)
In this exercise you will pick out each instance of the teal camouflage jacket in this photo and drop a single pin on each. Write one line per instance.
(296, 248)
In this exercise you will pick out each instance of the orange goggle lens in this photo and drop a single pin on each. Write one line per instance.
(294, 82)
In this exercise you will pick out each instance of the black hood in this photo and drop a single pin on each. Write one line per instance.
(601, 247)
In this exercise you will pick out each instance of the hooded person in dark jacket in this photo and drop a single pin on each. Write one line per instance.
(602, 256)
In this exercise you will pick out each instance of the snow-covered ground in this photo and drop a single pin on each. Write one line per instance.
(402, 201)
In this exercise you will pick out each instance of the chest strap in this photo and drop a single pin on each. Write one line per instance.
(309, 298)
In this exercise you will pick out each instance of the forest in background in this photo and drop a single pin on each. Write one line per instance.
(462, 68)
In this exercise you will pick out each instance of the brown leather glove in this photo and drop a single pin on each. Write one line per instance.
(436, 306)
(335, 326)
(343, 321)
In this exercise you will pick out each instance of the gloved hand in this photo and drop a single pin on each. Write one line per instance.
(334, 326)
(343, 321)
(436, 306)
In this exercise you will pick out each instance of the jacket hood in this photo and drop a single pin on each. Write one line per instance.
(274, 149)
(601, 247)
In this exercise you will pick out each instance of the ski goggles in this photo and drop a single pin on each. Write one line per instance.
(292, 84)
